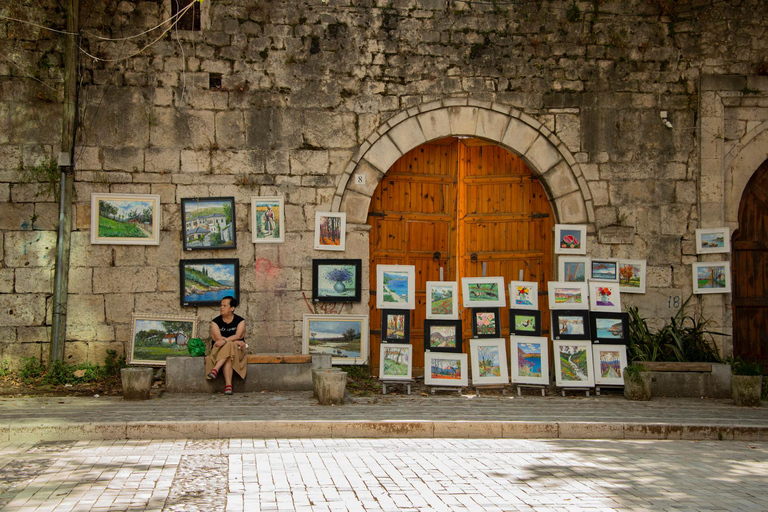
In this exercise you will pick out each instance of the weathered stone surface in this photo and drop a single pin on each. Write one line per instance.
(124, 280)
(6, 280)
(34, 280)
(30, 248)
(16, 216)
(329, 130)
(309, 162)
(22, 310)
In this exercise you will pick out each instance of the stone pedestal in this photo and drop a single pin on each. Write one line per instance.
(637, 386)
(746, 390)
(316, 373)
(331, 386)
(137, 383)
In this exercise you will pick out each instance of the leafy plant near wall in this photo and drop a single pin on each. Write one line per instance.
(684, 338)
(46, 174)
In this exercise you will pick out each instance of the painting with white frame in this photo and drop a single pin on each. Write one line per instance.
(445, 369)
(604, 270)
(523, 295)
(396, 361)
(632, 276)
(330, 231)
(529, 359)
(329, 334)
(609, 362)
(573, 269)
(125, 219)
(570, 239)
(268, 219)
(489, 361)
(604, 296)
(563, 295)
(395, 286)
(711, 277)
(713, 240)
(483, 292)
(573, 364)
(442, 299)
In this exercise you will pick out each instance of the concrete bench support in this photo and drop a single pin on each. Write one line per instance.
(137, 383)
(331, 387)
(694, 380)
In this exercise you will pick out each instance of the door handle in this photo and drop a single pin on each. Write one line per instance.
(436, 256)
(473, 257)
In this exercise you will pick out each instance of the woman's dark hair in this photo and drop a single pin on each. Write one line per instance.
(232, 301)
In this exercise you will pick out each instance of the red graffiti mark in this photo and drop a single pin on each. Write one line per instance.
(324, 308)
(265, 266)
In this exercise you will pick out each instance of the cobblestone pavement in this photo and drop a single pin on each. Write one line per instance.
(383, 474)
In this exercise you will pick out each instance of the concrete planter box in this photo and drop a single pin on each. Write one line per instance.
(746, 390)
(137, 383)
(638, 387)
(331, 387)
(690, 380)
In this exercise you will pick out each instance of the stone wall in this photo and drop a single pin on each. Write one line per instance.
(285, 98)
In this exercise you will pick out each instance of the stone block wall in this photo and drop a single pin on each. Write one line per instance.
(277, 98)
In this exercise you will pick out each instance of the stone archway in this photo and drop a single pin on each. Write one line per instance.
(740, 164)
(542, 151)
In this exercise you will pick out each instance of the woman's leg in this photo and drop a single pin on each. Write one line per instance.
(228, 371)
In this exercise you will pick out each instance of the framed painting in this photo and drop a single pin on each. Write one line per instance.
(442, 300)
(525, 322)
(268, 219)
(395, 286)
(605, 270)
(486, 323)
(573, 364)
(529, 359)
(482, 292)
(632, 276)
(489, 361)
(125, 219)
(711, 277)
(445, 369)
(524, 295)
(205, 282)
(604, 296)
(442, 335)
(396, 326)
(609, 328)
(570, 239)
(713, 240)
(330, 231)
(564, 295)
(570, 324)
(609, 362)
(573, 269)
(344, 337)
(336, 280)
(396, 362)
(155, 337)
(208, 223)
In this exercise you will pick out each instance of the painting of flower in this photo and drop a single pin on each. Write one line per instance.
(524, 294)
(336, 280)
(604, 297)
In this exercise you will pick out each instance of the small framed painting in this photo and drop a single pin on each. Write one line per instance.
(483, 292)
(713, 240)
(205, 282)
(632, 276)
(573, 269)
(125, 219)
(609, 328)
(442, 300)
(395, 362)
(445, 369)
(529, 359)
(564, 295)
(486, 323)
(396, 326)
(396, 286)
(573, 364)
(524, 295)
(489, 361)
(442, 335)
(604, 296)
(330, 231)
(268, 219)
(344, 337)
(208, 223)
(711, 277)
(336, 280)
(605, 270)
(155, 337)
(570, 239)
(609, 362)
(570, 324)
(525, 322)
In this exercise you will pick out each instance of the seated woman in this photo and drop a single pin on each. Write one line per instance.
(228, 345)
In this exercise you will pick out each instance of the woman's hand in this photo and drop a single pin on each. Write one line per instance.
(220, 343)
(241, 344)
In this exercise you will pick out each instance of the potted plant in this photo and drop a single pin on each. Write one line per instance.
(637, 382)
(746, 382)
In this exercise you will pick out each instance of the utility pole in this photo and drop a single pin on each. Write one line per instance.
(66, 184)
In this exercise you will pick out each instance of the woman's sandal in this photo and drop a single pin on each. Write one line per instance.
(214, 373)
(228, 389)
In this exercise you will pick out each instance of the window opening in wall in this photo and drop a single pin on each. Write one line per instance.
(214, 81)
(191, 19)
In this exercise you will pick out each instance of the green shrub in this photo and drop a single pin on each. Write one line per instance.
(31, 369)
(741, 366)
(113, 364)
(5, 368)
(633, 370)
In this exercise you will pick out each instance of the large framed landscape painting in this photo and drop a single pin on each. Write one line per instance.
(489, 361)
(155, 337)
(208, 223)
(268, 219)
(343, 337)
(125, 219)
(205, 282)
(336, 280)
(573, 364)
(529, 357)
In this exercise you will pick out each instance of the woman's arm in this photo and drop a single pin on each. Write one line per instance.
(218, 339)
(239, 335)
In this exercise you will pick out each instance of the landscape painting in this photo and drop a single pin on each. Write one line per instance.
(442, 300)
(155, 337)
(344, 337)
(564, 295)
(445, 370)
(330, 231)
(396, 362)
(605, 270)
(713, 240)
(570, 325)
(489, 361)
(205, 282)
(711, 277)
(125, 219)
(530, 361)
(610, 327)
(573, 362)
(609, 362)
(483, 292)
(395, 286)
(267, 219)
(632, 276)
(442, 335)
(209, 223)
(395, 325)
(574, 269)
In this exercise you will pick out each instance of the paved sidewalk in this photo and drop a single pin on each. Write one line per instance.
(297, 415)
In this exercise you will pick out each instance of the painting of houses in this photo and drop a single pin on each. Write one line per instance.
(209, 223)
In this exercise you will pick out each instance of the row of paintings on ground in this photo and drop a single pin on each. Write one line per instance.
(577, 363)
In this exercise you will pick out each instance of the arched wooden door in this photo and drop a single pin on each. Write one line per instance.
(750, 271)
(459, 205)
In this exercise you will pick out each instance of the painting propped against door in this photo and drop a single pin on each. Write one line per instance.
(459, 205)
